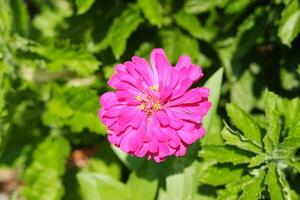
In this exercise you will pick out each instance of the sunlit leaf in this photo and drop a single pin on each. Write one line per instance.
(122, 28)
(151, 10)
(224, 154)
(217, 175)
(253, 188)
(96, 186)
(83, 5)
(272, 180)
(289, 26)
(43, 176)
(245, 123)
(214, 83)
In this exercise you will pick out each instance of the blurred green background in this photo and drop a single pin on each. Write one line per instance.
(57, 55)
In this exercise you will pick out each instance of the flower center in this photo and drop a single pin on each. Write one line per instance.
(148, 102)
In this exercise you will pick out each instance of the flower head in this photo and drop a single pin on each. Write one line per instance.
(153, 112)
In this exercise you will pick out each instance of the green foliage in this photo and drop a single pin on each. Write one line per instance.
(100, 186)
(289, 23)
(75, 107)
(43, 175)
(266, 164)
(122, 28)
(56, 57)
(83, 6)
(151, 10)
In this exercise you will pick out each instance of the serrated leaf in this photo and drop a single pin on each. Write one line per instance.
(245, 123)
(199, 6)
(189, 22)
(83, 5)
(43, 176)
(232, 190)
(289, 146)
(122, 28)
(225, 154)
(289, 26)
(238, 141)
(253, 188)
(151, 10)
(287, 191)
(52, 17)
(214, 83)
(96, 186)
(75, 107)
(63, 55)
(295, 164)
(290, 109)
(272, 180)
(258, 160)
(220, 175)
(271, 138)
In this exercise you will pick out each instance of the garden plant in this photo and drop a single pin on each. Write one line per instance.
(149, 99)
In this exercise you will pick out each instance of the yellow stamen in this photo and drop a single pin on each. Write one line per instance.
(142, 106)
(154, 88)
(156, 106)
(138, 98)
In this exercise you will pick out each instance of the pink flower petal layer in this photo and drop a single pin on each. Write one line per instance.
(153, 112)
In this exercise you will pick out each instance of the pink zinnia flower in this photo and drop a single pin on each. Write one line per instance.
(153, 112)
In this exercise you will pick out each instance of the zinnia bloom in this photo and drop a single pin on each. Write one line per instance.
(153, 112)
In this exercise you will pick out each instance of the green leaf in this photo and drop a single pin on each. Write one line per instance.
(287, 191)
(214, 83)
(151, 10)
(83, 5)
(190, 23)
(272, 115)
(6, 19)
(63, 55)
(225, 154)
(75, 107)
(131, 162)
(289, 25)
(295, 164)
(96, 186)
(289, 146)
(4, 123)
(232, 190)
(219, 175)
(200, 6)
(214, 136)
(52, 18)
(258, 160)
(181, 184)
(43, 176)
(176, 44)
(20, 17)
(143, 181)
(290, 109)
(272, 180)
(240, 142)
(245, 123)
(122, 28)
(254, 187)
(242, 91)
